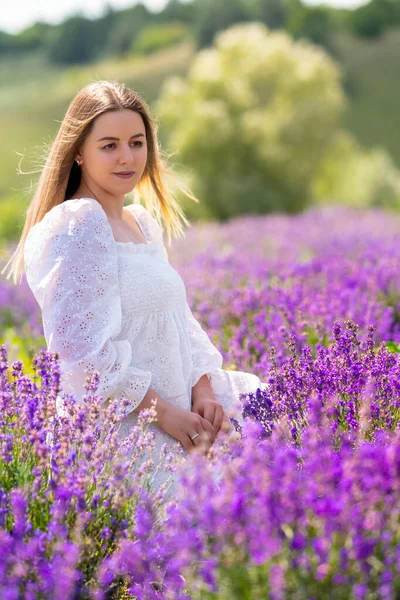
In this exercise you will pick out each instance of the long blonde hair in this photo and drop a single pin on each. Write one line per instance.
(60, 176)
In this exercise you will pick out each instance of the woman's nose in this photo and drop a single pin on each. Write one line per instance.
(126, 153)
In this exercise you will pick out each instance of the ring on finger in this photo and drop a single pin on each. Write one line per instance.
(193, 437)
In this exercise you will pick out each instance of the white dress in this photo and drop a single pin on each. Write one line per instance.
(121, 308)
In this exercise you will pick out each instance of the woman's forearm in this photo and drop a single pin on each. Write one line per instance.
(161, 406)
(202, 389)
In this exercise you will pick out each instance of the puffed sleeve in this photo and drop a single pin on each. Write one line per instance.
(71, 267)
(205, 356)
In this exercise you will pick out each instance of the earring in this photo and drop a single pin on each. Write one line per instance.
(78, 162)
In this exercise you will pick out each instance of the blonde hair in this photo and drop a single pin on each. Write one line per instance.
(60, 177)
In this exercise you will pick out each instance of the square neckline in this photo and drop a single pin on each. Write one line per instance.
(134, 217)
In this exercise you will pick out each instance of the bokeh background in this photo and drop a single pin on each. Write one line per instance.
(266, 104)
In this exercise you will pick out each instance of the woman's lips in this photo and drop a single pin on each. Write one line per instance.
(125, 176)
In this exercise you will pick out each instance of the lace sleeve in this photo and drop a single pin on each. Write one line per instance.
(205, 356)
(72, 270)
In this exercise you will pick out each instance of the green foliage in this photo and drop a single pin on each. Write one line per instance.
(8, 43)
(355, 176)
(393, 347)
(34, 36)
(115, 31)
(314, 337)
(316, 23)
(156, 37)
(254, 118)
(73, 42)
(370, 20)
(178, 10)
(213, 16)
(102, 32)
(127, 27)
(27, 40)
(36, 93)
(22, 347)
(11, 219)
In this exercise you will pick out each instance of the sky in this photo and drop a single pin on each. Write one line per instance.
(19, 14)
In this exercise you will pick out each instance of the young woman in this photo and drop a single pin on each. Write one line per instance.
(99, 270)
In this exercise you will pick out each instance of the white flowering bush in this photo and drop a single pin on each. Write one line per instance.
(256, 122)
(253, 118)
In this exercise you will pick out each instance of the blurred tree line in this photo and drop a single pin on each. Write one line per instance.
(256, 121)
(78, 39)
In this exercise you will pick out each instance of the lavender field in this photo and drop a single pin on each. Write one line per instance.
(302, 503)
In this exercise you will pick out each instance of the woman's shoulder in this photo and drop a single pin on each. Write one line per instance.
(69, 216)
(78, 218)
(74, 209)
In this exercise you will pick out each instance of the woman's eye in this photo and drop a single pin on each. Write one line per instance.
(136, 142)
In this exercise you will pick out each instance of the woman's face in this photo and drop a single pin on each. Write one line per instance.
(103, 158)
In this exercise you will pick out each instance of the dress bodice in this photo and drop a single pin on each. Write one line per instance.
(118, 307)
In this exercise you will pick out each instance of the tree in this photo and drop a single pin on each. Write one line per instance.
(175, 10)
(34, 36)
(314, 23)
(127, 26)
(103, 27)
(253, 119)
(274, 13)
(370, 20)
(73, 41)
(213, 16)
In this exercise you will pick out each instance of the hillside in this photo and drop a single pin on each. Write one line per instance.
(373, 73)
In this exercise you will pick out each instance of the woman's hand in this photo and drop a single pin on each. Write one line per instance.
(184, 424)
(211, 410)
